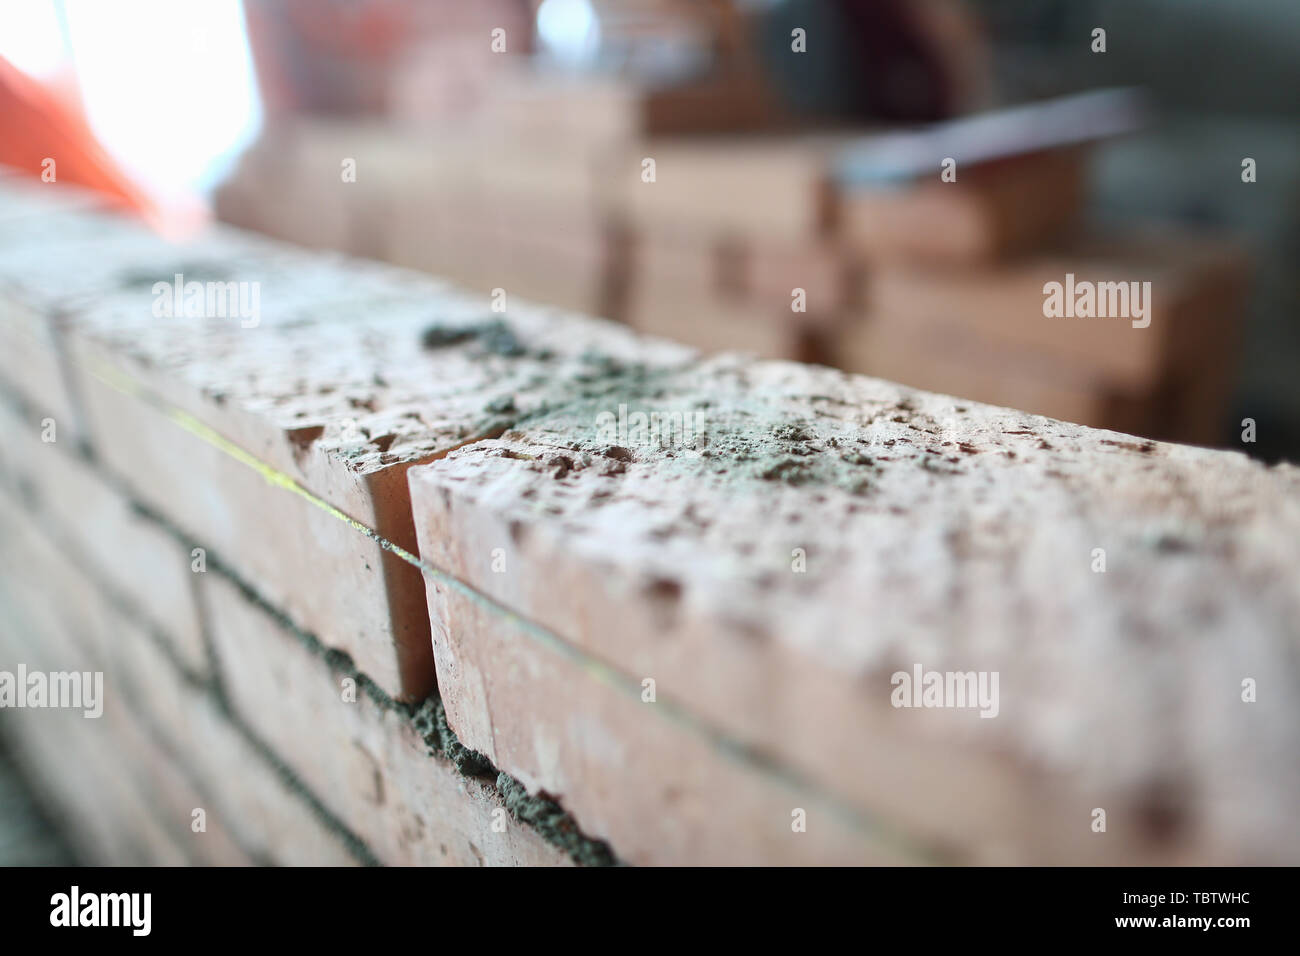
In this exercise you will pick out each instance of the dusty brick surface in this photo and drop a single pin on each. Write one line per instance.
(928, 531)
(657, 791)
(367, 762)
(114, 786)
(74, 504)
(339, 405)
(29, 365)
(162, 749)
(25, 199)
(113, 818)
(935, 531)
(28, 354)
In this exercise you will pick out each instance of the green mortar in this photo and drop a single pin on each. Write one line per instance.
(428, 718)
(747, 438)
(544, 815)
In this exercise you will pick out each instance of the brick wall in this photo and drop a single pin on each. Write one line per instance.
(374, 576)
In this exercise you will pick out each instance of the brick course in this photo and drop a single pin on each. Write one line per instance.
(394, 483)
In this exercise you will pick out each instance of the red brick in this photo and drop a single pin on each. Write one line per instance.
(339, 406)
(162, 748)
(936, 531)
(712, 323)
(954, 361)
(740, 187)
(991, 211)
(1003, 306)
(133, 556)
(123, 797)
(366, 761)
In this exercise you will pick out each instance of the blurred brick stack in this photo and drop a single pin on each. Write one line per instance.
(501, 172)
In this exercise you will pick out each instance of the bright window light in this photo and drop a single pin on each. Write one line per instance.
(168, 86)
(569, 31)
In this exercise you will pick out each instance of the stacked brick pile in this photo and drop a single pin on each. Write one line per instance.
(374, 573)
(753, 244)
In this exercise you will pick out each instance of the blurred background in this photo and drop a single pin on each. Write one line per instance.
(762, 175)
(794, 206)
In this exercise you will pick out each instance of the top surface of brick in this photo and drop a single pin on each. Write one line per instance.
(893, 492)
(369, 364)
(23, 198)
(816, 531)
(866, 527)
(336, 373)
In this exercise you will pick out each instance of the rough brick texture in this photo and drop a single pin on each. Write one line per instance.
(935, 531)
(134, 558)
(143, 817)
(338, 404)
(363, 755)
(826, 532)
(163, 743)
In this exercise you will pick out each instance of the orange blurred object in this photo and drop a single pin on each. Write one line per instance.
(40, 123)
